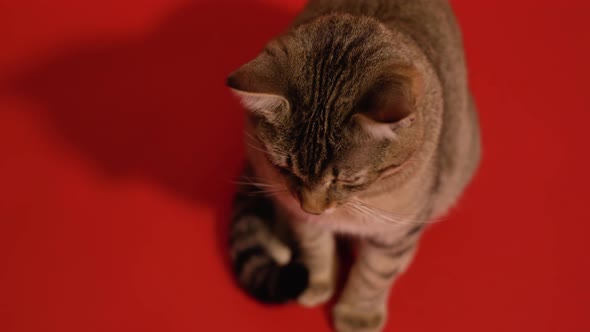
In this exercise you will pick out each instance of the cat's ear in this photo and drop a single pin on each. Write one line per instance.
(259, 85)
(390, 104)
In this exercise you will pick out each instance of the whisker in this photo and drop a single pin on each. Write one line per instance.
(256, 184)
(383, 215)
(262, 187)
(248, 135)
(267, 193)
(389, 213)
(255, 140)
(363, 212)
(257, 148)
(262, 182)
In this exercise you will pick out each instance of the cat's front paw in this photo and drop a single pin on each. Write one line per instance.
(350, 318)
(317, 293)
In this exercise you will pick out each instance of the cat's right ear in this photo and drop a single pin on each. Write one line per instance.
(259, 86)
(390, 105)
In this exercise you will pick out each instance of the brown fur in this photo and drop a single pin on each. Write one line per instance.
(361, 123)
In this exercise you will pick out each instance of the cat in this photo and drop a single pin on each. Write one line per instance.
(359, 122)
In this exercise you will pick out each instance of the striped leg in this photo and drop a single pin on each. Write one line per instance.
(318, 249)
(362, 306)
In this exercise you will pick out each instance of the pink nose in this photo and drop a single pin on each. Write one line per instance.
(314, 201)
(311, 208)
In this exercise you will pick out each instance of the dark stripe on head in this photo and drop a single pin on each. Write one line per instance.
(334, 59)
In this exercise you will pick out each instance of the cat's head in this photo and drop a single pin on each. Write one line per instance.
(334, 105)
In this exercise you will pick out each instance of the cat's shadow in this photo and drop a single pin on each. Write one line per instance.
(156, 106)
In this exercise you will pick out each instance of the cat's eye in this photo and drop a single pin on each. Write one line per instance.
(284, 171)
(355, 179)
(355, 183)
(351, 181)
(354, 187)
(278, 165)
(289, 174)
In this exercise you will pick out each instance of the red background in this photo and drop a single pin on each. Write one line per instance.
(118, 142)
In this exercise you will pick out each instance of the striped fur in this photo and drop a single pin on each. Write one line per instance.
(360, 123)
(263, 263)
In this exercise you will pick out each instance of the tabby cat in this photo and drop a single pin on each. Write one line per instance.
(360, 122)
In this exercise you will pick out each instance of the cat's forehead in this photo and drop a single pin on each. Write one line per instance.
(341, 46)
(315, 160)
(312, 155)
(328, 64)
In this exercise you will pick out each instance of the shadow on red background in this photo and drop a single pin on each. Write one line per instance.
(149, 109)
(156, 107)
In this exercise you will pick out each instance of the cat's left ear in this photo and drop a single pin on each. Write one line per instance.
(391, 103)
(260, 84)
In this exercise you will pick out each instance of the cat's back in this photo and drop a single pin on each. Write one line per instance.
(430, 23)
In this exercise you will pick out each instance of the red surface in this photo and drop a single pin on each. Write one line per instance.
(118, 141)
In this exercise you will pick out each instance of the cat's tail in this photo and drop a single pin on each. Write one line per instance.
(263, 265)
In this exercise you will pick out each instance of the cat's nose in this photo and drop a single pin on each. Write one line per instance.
(314, 201)
(311, 208)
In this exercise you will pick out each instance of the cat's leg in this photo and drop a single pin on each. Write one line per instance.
(318, 254)
(363, 303)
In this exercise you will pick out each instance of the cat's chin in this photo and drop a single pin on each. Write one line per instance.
(313, 217)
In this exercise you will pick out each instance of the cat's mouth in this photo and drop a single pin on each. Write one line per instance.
(316, 207)
(317, 212)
